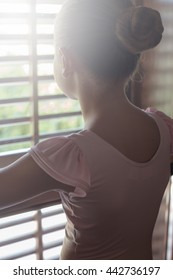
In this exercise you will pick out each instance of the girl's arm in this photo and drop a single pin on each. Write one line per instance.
(24, 180)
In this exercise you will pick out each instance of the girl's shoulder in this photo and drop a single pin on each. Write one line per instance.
(63, 160)
(166, 119)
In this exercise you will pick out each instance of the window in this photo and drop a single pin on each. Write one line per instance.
(157, 92)
(158, 64)
(32, 235)
(32, 109)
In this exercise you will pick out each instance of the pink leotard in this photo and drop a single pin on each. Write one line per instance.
(112, 211)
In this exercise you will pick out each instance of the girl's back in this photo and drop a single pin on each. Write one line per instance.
(134, 133)
(115, 217)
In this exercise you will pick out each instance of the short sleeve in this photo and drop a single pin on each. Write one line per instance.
(168, 121)
(62, 159)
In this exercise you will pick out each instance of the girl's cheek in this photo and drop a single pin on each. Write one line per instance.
(57, 73)
(62, 83)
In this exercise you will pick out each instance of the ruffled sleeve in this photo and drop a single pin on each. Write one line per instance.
(62, 159)
(168, 121)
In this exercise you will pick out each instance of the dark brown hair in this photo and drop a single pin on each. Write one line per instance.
(107, 35)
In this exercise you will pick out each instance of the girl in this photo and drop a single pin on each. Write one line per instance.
(112, 175)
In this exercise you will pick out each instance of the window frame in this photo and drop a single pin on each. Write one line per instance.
(33, 38)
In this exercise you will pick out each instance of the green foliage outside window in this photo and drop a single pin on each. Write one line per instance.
(46, 107)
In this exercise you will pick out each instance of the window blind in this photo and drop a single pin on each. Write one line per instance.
(32, 235)
(158, 64)
(32, 109)
(156, 92)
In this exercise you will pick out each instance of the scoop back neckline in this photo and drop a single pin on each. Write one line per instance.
(111, 147)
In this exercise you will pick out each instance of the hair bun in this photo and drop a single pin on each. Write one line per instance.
(139, 29)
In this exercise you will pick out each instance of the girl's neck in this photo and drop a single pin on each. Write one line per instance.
(100, 103)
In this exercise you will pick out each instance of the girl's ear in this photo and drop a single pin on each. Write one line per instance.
(66, 63)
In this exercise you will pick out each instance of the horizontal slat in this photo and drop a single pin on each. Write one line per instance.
(45, 78)
(25, 58)
(62, 115)
(21, 37)
(49, 97)
(14, 37)
(45, 57)
(37, 1)
(29, 2)
(21, 255)
(14, 58)
(49, 16)
(19, 1)
(15, 100)
(44, 117)
(13, 80)
(27, 16)
(16, 15)
(54, 258)
(53, 244)
(15, 121)
(54, 228)
(52, 213)
(28, 99)
(161, 71)
(17, 222)
(18, 239)
(58, 2)
(15, 140)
